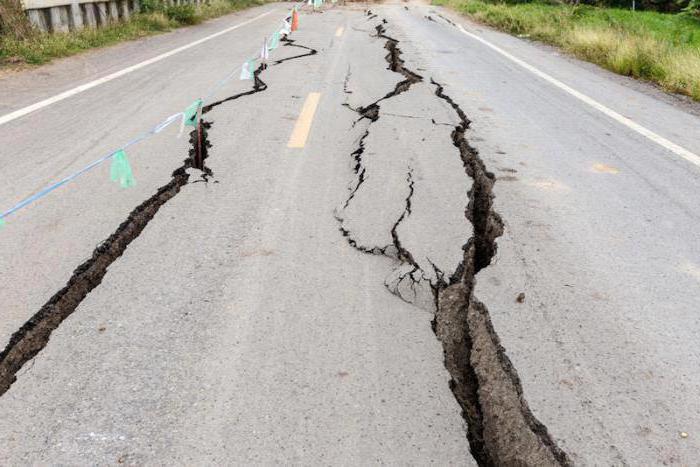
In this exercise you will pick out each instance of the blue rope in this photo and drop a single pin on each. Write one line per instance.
(156, 129)
(45, 191)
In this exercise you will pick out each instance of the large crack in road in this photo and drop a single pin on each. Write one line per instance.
(34, 335)
(501, 429)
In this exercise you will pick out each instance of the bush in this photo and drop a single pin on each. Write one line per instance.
(150, 6)
(33, 47)
(183, 14)
(693, 8)
(658, 47)
(186, 13)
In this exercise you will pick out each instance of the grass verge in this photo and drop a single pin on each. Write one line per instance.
(41, 47)
(658, 47)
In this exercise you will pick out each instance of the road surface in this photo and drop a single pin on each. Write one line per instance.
(416, 240)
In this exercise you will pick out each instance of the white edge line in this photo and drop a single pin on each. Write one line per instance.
(84, 87)
(660, 140)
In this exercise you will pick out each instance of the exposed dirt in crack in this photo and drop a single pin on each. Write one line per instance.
(502, 429)
(34, 335)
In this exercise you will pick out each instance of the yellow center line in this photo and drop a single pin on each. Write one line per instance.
(303, 125)
(339, 31)
(604, 168)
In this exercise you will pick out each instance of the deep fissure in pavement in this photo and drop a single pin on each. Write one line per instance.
(483, 377)
(501, 429)
(34, 335)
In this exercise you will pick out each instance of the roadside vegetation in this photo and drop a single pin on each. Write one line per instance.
(658, 46)
(21, 44)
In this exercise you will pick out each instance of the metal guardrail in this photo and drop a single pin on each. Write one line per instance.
(64, 16)
(71, 15)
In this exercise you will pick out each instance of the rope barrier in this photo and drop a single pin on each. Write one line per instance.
(143, 136)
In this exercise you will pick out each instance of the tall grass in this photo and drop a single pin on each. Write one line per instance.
(42, 47)
(13, 20)
(658, 47)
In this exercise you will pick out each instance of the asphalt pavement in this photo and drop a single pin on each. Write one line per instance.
(416, 240)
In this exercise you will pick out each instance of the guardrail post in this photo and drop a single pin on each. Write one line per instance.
(113, 11)
(102, 13)
(59, 19)
(89, 18)
(76, 16)
(38, 20)
(124, 7)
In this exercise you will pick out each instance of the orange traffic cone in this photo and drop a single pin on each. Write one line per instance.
(295, 20)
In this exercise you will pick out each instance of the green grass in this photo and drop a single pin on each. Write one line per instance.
(41, 48)
(662, 48)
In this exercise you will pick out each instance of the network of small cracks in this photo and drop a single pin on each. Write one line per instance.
(479, 251)
(415, 275)
(34, 334)
(371, 112)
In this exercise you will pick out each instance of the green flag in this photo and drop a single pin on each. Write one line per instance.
(2, 222)
(274, 41)
(121, 170)
(189, 116)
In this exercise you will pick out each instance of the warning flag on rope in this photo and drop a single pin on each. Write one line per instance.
(190, 116)
(247, 70)
(295, 20)
(121, 170)
(2, 222)
(286, 28)
(264, 53)
(274, 41)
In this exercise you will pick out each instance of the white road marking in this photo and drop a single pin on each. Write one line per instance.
(660, 140)
(84, 87)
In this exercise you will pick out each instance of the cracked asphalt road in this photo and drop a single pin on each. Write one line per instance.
(284, 310)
